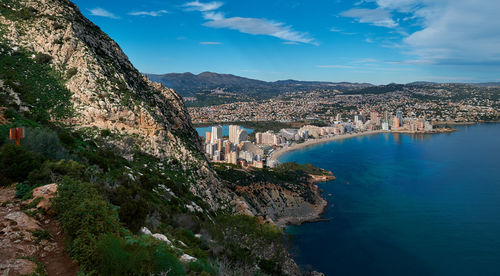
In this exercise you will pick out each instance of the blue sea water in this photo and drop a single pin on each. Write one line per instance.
(406, 205)
(225, 130)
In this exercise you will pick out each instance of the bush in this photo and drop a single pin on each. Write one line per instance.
(134, 257)
(43, 58)
(201, 266)
(44, 142)
(85, 216)
(71, 72)
(54, 171)
(16, 163)
(22, 190)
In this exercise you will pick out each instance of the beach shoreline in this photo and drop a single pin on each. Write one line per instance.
(276, 154)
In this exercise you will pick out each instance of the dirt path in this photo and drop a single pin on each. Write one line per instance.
(21, 251)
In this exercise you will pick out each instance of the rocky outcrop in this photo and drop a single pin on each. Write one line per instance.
(43, 195)
(107, 91)
(29, 244)
(283, 203)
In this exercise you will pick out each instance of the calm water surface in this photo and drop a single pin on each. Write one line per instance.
(406, 205)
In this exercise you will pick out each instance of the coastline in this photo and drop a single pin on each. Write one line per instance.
(276, 154)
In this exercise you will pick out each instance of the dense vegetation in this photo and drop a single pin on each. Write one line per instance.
(290, 172)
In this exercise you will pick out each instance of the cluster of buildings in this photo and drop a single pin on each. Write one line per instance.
(439, 102)
(235, 149)
(238, 149)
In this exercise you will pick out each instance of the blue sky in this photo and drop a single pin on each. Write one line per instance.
(376, 41)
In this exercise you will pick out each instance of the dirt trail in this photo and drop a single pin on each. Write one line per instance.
(21, 252)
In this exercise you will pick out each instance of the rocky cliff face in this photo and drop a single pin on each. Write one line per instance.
(285, 203)
(107, 91)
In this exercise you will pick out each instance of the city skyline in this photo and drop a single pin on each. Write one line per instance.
(367, 41)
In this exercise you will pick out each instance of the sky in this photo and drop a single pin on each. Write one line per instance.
(375, 41)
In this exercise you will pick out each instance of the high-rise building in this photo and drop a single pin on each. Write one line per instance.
(216, 134)
(375, 118)
(395, 123)
(219, 145)
(399, 115)
(242, 136)
(358, 118)
(385, 125)
(227, 149)
(268, 138)
(208, 137)
(234, 133)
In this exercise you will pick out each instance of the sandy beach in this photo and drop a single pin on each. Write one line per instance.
(308, 143)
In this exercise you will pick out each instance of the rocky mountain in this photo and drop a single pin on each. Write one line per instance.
(188, 84)
(107, 92)
(132, 192)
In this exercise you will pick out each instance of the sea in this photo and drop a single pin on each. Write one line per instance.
(406, 205)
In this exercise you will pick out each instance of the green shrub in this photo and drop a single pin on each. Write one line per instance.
(201, 266)
(85, 216)
(16, 163)
(270, 267)
(45, 142)
(22, 189)
(54, 171)
(71, 72)
(119, 257)
(43, 58)
(105, 132)
(40, 235)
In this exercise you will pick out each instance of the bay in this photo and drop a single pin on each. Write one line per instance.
(406, 205)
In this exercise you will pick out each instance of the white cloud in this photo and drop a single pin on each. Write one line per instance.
(378, 17)
(149, 13)
(248, 25)
(458, 31)
(103, 13)
(203, 7)
(451, 32)
(258, 26)
(210, 43)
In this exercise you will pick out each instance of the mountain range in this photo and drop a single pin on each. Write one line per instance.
(187, 84)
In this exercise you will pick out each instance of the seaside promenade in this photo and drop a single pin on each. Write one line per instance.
(276, 154)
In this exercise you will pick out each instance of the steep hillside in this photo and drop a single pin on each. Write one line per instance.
(134, 195)
(106, 91)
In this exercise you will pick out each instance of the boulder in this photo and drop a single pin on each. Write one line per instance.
(23, 221)
(45, 193)
(18, 267)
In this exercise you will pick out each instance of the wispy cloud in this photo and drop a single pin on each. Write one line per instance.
(291, 43)
(103, 13)
(210, 43)
(149, 13)
(203, 7)
(337, 66)
(258, 26)
(378, 17)
(248, 25)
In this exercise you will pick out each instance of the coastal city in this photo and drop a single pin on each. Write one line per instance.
(439, 103)
(239, 149)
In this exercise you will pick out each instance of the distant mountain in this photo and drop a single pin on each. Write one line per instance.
(187, 84)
